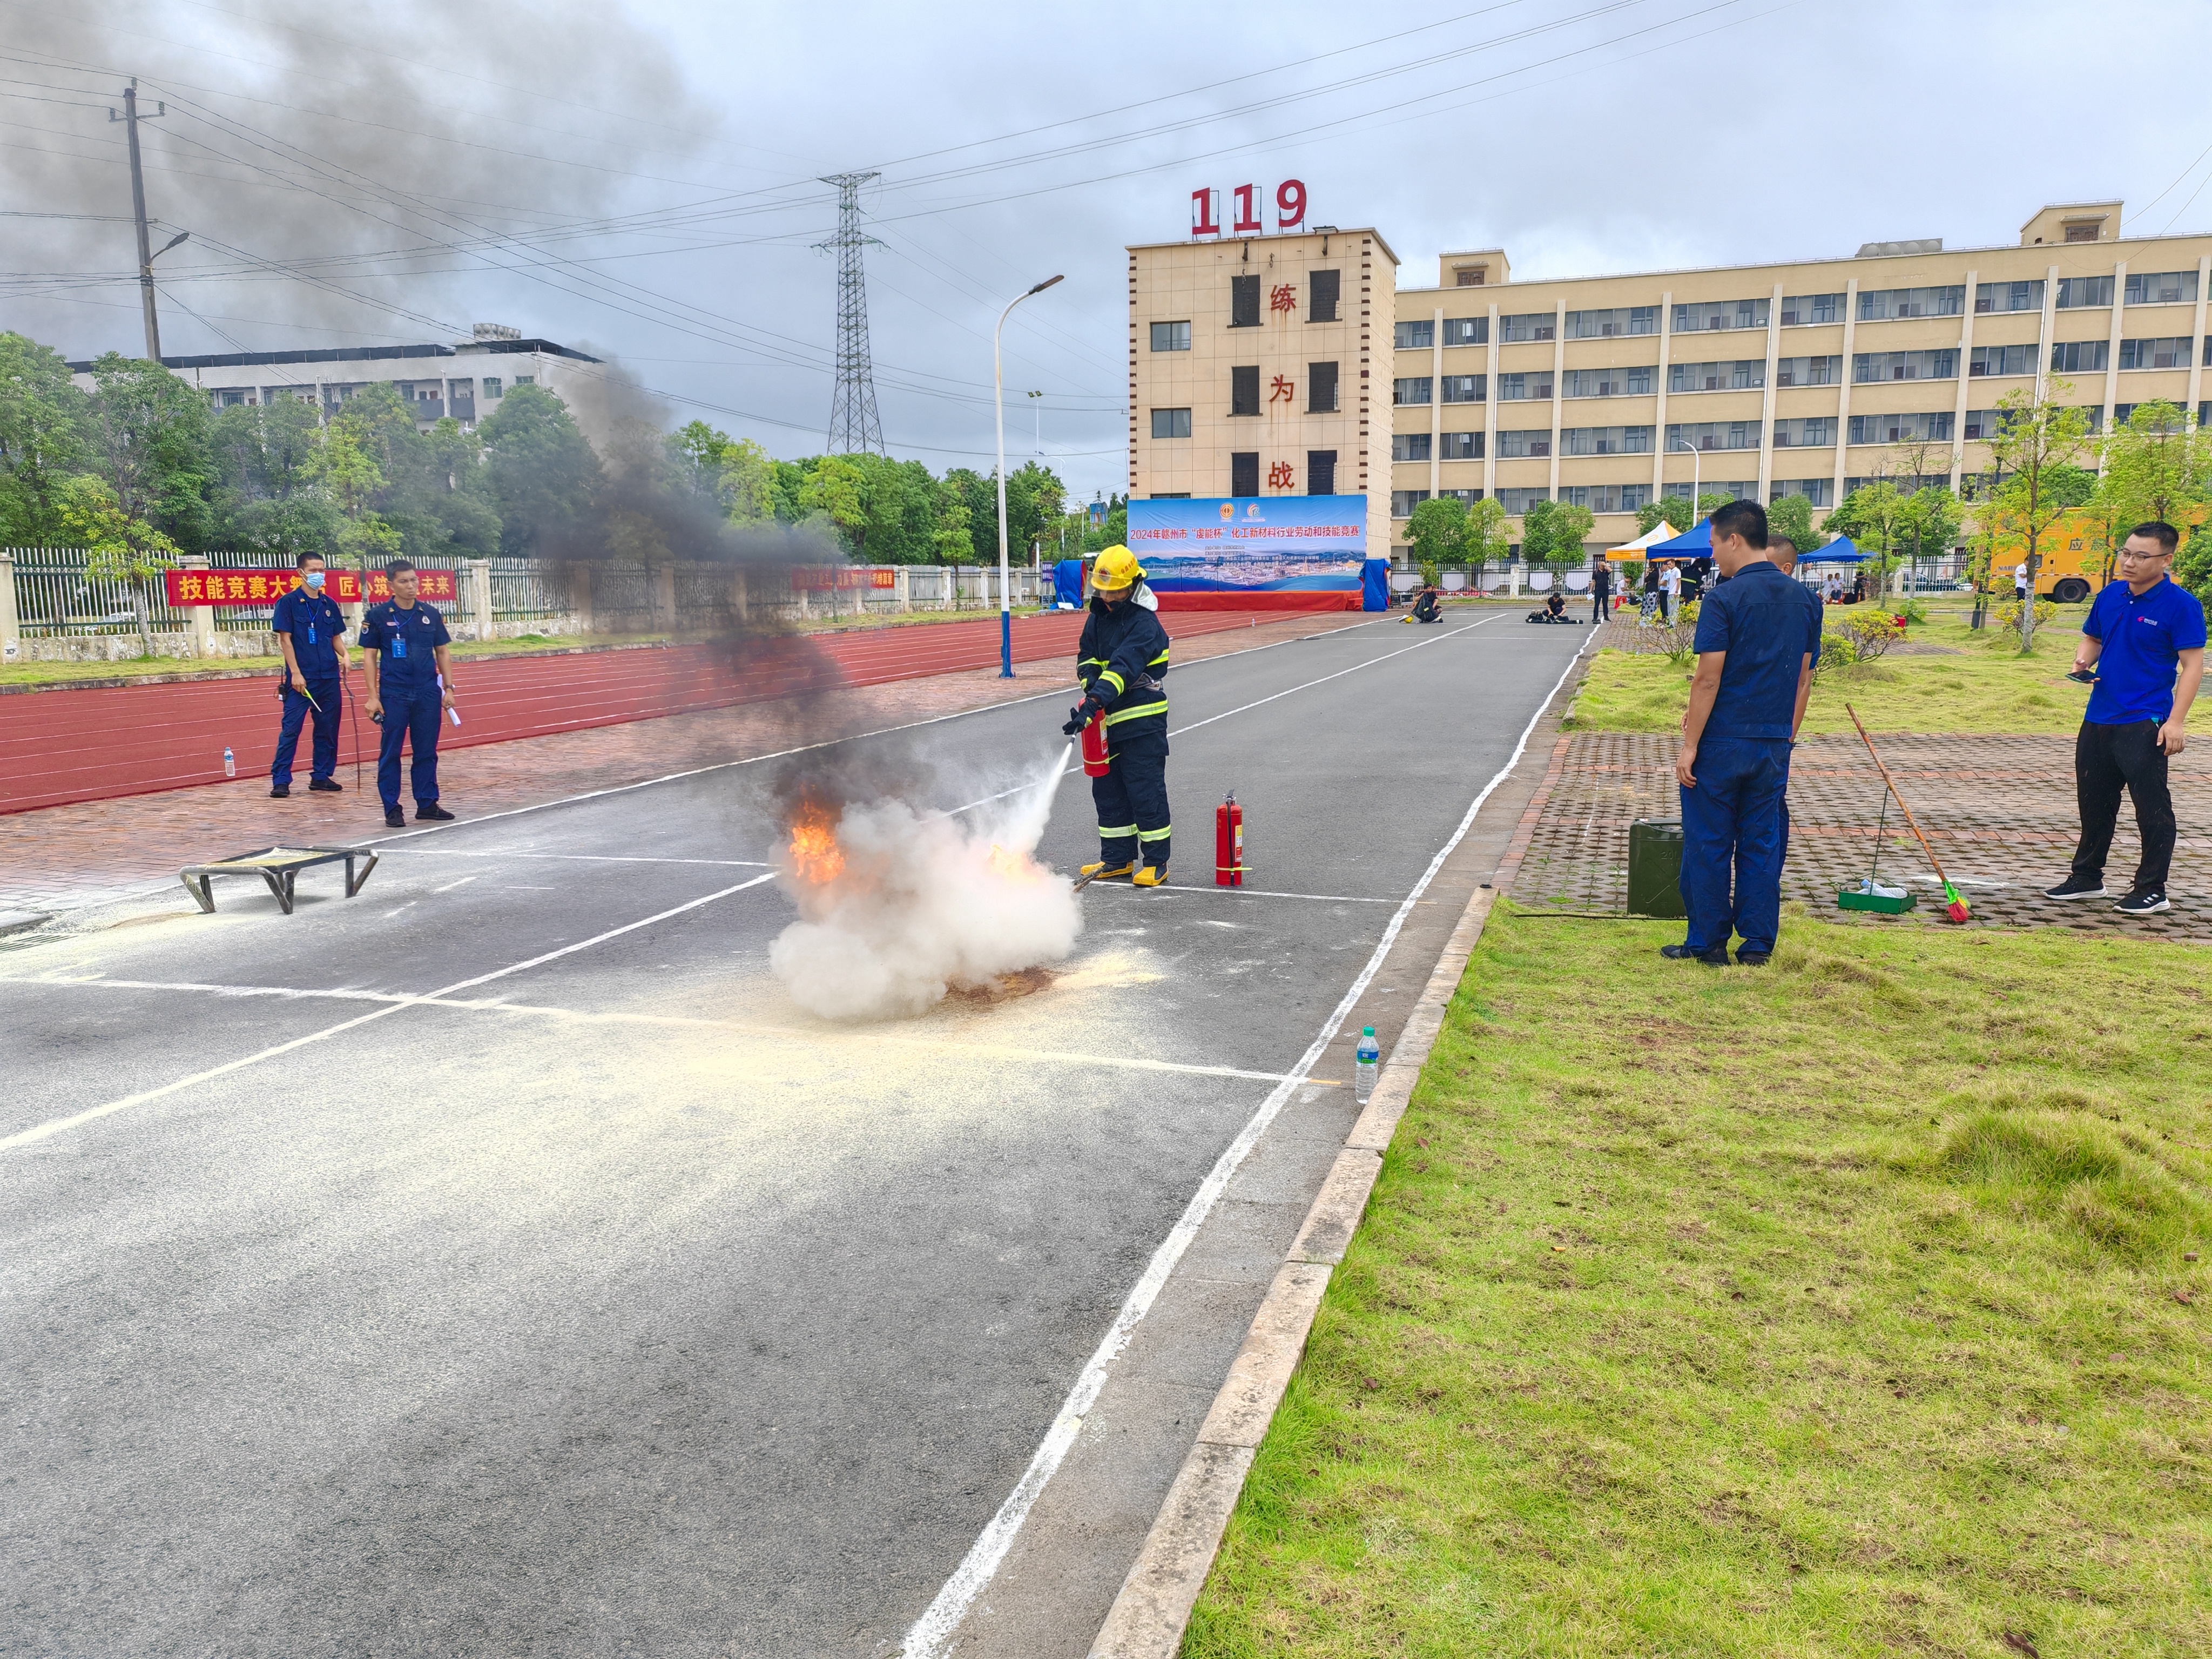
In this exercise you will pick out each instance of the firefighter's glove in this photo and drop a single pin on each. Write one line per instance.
(1081, 715)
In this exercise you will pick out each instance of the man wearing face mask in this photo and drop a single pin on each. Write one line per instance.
(308, 625)
(1122, 663)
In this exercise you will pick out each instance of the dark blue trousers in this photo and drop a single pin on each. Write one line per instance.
(1734, 828)
(329, 695)
(413, 716)
(1132, 799)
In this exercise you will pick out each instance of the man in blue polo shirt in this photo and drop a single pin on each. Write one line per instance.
(2145, 638)
(1757, 636)
(404, 654)
(308, 625)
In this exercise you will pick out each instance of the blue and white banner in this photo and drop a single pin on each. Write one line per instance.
(1270, 544)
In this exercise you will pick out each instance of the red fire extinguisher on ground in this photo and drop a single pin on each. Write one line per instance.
(1094, 746)
(1229, 844)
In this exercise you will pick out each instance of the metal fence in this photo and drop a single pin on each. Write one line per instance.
(521, 592)
(55, 598)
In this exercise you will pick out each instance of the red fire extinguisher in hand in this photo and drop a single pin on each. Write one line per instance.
(1094, 746)
(1229, 844)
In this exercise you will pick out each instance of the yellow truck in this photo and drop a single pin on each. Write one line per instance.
(2076, 562)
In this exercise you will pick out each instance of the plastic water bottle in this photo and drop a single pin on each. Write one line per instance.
(229, 765)
(1369, 1066)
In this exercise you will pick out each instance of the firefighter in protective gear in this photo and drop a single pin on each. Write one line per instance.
(1123, 662)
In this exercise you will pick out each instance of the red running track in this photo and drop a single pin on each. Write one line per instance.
(64, 744)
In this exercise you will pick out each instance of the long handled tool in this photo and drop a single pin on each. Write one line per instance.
(1954, 907)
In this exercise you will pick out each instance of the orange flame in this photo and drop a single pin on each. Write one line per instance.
(1014, 867)
(816, 857)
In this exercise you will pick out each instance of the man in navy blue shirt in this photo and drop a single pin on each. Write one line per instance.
(403, 643)
(2145, 638)
(308, 626)
(1756, 640)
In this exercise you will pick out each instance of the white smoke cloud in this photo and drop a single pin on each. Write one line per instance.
(907, 906)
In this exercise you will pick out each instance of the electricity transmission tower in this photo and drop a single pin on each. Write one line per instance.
(853, 423)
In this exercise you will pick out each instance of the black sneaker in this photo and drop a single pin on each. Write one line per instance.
(395, 819)
(2075, 887)
(281, 792)
(2143, 903)
(433, 813)
(1684, 953)
(1751, 958)
(324, 786)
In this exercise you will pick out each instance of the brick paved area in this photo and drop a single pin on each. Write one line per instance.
(71, 857)
(1999, 810)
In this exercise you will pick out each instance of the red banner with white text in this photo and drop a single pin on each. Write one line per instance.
(253, 587)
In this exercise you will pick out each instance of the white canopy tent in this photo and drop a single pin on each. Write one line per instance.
(1662, 532)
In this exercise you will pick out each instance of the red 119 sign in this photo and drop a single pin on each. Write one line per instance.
(1206, 209)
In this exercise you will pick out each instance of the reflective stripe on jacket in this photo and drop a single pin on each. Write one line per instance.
(1123, 661)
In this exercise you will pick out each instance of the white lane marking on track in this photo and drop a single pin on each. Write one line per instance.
(43, 1131)
(928, 1636)
(593, 1016)
(450, 885)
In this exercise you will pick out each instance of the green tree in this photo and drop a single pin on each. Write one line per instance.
(1115, 531)
(267, 494)
(1437, 530)
(543, 474)
(2158, 462)
(121, 546)
(831, 496)
(45, 439)
(1553, 533)
(1034, 496)
(953, 540)
(1932, 519)
(1792, 516)
(150, 432)
(350, 473)
(1875, 516)
(747, 487)
(2037, 442)
(1484, 539)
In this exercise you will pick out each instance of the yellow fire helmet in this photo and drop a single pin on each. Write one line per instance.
(1117, 567)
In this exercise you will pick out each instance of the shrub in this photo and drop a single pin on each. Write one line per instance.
(2008, 616)
(1870, 631)
(1837, 651)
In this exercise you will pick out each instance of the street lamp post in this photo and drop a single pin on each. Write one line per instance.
(999, 404)
(1697, 471)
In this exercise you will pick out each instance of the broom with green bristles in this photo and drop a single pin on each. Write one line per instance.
(1954, 907)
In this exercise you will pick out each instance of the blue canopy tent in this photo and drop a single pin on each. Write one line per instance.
(1839, 552)
(1689, 545)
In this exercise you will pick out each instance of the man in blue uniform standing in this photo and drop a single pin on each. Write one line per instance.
(1123, 662)
(308, 625)
(409, 677)
(1756, 640)
(2145, 638)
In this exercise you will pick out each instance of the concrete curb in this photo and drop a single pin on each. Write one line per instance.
(1149, 1616)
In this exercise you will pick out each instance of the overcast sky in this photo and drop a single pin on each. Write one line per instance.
(642, 183)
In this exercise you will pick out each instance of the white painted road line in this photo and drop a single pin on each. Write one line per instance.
(44, 1131)
(580, 858)
(930, 1632)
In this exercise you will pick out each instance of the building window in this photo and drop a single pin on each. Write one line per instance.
(1808, 371)
(1633, 381)
(2080, 356)
(1409, 447)
(1415, 336)
(1923, 426)
(2163, 288)
(491, 389)
(1244, 389)
(1532, 325)
(525, 379)
(1466, 330)
(1467, 388)
(1524, 446)
(1808, 308)
(1462, 446)
(1904, 366)
(1170, 337)
(1320, 392)
(1320, 472)
(1720, 313)
(1170, 423)
(1606, 324)
(1982, 424)
(2081, 233)
(1816, 491)
(1403, 502)
(1327, 286)
(1746, 373)
(1517, 502)
(1419, 389)
(1882, 304)
(1535, 386)
(2076, 291)
(1169, 495)
(1470, 276)
(1606, 440)
(2169, 353)
(1244, 473)
(1907, 484)
(1605, 498)
(1806, 432)
(1244, 302)
(2014, 296)
(1464, 497)
(1712, 434)
(2001, 360)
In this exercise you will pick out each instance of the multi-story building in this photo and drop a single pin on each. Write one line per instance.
(465, 380)
(1254, 366)
(1800, 378)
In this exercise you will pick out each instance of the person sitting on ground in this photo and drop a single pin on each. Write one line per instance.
(1554, 610)
(1427, 606)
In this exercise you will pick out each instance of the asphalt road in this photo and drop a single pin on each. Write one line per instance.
(569, 1291)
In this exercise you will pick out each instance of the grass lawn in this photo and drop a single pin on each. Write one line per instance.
(1989, 687)
(1842, 1308)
